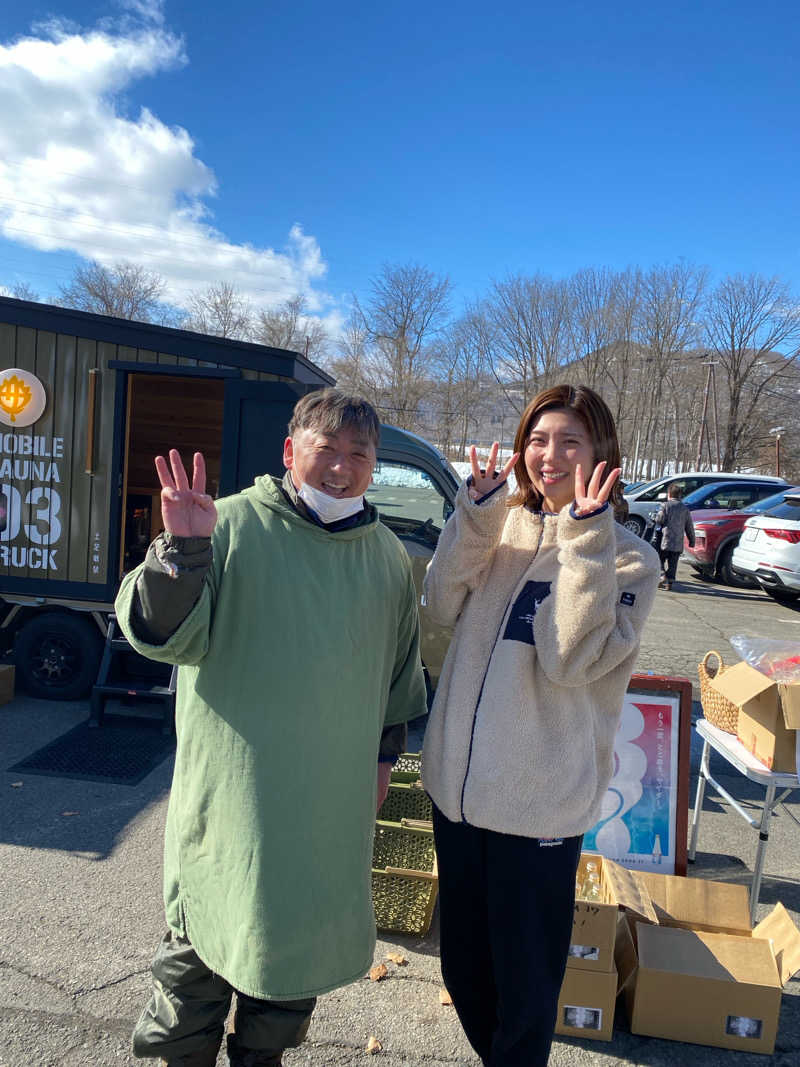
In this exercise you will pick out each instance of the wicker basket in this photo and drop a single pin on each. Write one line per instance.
(408, 767)
(405, 878)
(406, 800)
(718, 710)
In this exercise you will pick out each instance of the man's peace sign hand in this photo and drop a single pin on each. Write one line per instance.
(593, 497)
(186, 512)
(483, 483)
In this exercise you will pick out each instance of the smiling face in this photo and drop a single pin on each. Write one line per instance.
(339, 464)
(557, 443)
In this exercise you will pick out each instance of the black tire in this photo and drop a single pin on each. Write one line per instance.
(728, 575)
(57, 656)
(783, 596)
(634, 524)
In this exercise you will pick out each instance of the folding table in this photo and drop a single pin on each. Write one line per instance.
(737, 755)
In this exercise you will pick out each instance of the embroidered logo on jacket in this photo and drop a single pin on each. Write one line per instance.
(523, 611)
(627, 598)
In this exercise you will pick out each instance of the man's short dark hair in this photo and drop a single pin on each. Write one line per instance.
(331, 410)
(674, 491)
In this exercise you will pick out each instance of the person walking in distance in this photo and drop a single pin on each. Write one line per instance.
(674, 520)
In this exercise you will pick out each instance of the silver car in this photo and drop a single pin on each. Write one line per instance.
(769, 550)
(645, 501)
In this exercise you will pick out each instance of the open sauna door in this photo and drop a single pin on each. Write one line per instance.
(165, 411)
(256, 422)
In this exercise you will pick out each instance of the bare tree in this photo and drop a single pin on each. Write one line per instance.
(403, 318)
(463, 394)
(289, 326)
(749, 320)
(22, 291)
(670, 299)
(351, 366)
(220, 310)
(124, 290)
(531, 334)
(594, 323)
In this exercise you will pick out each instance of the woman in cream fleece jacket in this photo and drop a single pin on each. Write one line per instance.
(548, 596)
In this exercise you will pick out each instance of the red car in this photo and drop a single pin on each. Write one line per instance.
(716, 535)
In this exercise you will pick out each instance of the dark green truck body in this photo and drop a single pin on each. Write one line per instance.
(78, 492)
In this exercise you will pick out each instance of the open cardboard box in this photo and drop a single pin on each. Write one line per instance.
(717, 989)
(769, 714)
(594, 923)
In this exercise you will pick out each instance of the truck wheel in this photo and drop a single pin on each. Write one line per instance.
(57, 656)
(729, 576)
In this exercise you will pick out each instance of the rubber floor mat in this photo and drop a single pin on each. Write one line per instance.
(122, 752)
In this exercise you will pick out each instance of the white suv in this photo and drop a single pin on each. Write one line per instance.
(769, 550)
(645, 501)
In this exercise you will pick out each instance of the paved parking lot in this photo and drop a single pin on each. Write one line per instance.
(80, 907)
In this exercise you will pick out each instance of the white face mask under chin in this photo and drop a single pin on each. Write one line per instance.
(330, 508)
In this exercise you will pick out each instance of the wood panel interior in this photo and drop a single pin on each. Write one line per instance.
(166, 411)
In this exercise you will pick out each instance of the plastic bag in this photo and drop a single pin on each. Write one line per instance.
(778, 659)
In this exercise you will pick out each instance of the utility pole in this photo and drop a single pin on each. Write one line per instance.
(776, 432)
(714, 401)
(703, 418)
(710, 375)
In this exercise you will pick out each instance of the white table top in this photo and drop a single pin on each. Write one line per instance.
(729, 746)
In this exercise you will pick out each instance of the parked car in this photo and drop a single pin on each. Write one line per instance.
(645, 501)
(769, 549)
(717, 534)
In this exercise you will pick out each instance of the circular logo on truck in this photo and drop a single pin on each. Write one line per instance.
(22, 397)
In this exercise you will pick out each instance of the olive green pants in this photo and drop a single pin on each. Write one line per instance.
(189, 1005)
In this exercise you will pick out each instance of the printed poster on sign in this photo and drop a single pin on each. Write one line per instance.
(637, 823)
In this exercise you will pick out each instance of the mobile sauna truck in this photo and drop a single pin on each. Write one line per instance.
(86, 402)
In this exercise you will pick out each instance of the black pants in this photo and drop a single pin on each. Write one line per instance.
(669, 564)
(506, 906)
(189, 1005)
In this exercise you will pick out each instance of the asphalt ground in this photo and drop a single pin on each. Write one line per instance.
(81, 911)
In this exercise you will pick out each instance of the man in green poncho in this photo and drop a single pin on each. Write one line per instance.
(292, 612)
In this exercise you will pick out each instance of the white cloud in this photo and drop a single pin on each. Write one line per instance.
(78, 174)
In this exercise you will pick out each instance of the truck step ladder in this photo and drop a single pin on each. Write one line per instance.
(125, 675)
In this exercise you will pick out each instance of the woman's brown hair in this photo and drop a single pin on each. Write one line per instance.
(595, 416)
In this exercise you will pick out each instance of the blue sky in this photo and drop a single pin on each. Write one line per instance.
(296, 147)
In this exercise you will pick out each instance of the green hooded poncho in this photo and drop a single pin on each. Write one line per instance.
(303, 645)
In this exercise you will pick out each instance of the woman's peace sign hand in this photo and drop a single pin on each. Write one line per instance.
(592, 497)
(186, 512)
(483, 483)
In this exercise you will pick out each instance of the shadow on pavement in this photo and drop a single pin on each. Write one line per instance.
(64, 813)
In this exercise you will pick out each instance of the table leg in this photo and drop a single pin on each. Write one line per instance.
(698, 800)
(763, 838)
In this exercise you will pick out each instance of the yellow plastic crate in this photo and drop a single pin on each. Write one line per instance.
(408, 767)
(405, 877)
(406, 800)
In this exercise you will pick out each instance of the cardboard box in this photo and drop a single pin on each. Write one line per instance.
(6, 683)
(586, 1004)
(594, 923)
(708, 988)
(698, 903)
(769, 714)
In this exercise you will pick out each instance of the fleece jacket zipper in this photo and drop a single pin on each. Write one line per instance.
(475, 712)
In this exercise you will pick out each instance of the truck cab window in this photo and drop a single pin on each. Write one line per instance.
(408, 499)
